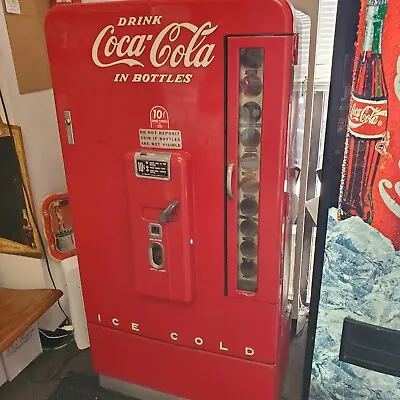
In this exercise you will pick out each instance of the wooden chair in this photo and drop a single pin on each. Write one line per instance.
(20, 308)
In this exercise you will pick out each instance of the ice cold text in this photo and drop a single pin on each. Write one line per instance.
(154, 78)
(177, 337)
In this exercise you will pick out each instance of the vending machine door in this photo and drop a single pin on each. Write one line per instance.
(257, 164)
(160, 188)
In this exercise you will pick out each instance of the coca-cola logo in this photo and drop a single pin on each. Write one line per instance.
(167, 48)
(397, 79)
(391, 203)
(367, 115)
(367, 118)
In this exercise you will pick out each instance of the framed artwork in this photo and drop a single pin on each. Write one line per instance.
(18, 232)
(57, 224)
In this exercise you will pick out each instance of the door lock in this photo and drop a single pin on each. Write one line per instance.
(165, 216)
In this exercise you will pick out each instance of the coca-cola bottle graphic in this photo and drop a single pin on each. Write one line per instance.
(367, 137)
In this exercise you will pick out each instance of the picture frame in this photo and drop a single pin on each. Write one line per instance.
(18, 230)
(57, 223)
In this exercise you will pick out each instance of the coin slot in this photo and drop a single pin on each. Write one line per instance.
(156, 255)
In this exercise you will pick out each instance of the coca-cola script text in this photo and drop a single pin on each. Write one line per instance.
(367, 118)
(167, 48)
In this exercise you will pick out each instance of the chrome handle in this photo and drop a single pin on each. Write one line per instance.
(165, 216)
(229, 175)
(68, 127)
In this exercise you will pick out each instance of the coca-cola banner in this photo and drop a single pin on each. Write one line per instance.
(370, 185)
(357, 339)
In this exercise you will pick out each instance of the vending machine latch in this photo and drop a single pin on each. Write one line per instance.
(165, 216)
(68, 126)
(229, 175)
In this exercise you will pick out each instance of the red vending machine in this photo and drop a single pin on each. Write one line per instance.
(174, 125)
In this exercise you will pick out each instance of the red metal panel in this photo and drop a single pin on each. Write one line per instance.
(190, 374)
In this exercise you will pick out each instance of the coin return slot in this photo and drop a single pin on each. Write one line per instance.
(155, 231)
(156, 255)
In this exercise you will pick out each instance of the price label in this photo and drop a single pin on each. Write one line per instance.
(152, 166)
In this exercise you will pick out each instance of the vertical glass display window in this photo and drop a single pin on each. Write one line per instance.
(251, 72)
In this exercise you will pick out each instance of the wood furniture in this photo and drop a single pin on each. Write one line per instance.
(20, 308)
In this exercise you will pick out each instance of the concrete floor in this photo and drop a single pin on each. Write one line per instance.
(39, 380)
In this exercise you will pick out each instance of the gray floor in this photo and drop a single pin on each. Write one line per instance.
(39, 380)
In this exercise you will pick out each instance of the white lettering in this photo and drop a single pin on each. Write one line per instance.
(160, 55)
(147, 20)
(221, 347)
(249, 351)
(136, 46)
(397, 79)
(135, 327)
(128, 49)
(198, 341)
(110, 46)
(390, 203)
(122, 21)
(120, 51)
(132, 21)
(99, 317)
(115, 321)
(121, 77)
(366, 115)
(174, 336)
(137, 78)
(188, 78)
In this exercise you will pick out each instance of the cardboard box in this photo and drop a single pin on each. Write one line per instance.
(28, 45)
(3, 377)
(22, 352)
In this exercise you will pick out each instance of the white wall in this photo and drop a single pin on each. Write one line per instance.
(35, 113)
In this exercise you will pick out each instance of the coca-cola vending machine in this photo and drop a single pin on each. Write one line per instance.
(173, 120)
(354, 330)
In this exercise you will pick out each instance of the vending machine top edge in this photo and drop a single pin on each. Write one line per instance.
(174, 125)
